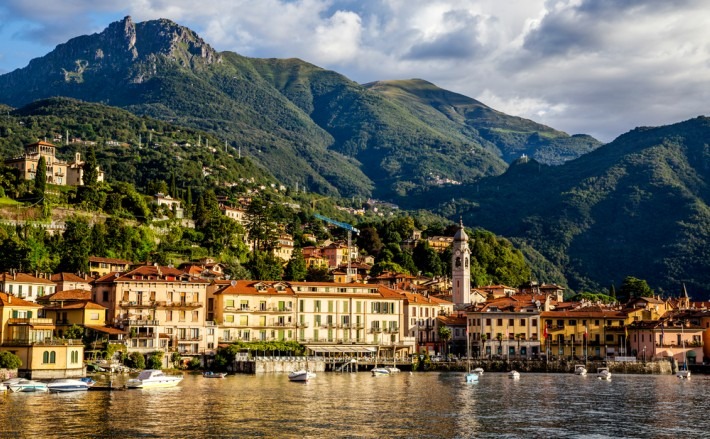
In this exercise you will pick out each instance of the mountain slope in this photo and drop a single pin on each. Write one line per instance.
(508, 136)
(638, 206)
(301, 123)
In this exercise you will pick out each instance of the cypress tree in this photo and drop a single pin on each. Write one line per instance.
(91, 173)
(41, 177)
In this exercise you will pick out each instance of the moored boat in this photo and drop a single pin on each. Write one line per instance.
(603, 373)
(579, 369)
(683, 374)
(153, 378)
(23, 385)
(380, 371)
(301, 375)
(514, 375)
(69, 385)
(210, 374)
(478, 370)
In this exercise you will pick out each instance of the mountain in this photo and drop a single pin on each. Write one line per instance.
(639, 206)
(301, 123)
(510, 137)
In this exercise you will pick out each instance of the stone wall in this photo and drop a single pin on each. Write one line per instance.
(277, 365)
(650, 367)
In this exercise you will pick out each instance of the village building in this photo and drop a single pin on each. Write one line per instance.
(70, 281)
(59, 172)
(99, 266)
(26, 286)
(170, 203)
(160, 308)
(30, 337)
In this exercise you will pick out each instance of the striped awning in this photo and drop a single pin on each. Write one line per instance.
(341, 349)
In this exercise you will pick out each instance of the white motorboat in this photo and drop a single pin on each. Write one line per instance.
(683, 374)
(603, 373)
(580, 369)
(301, 375)
(514, 375)
(210, 374)
(23, 385)
(152, 378)
(380, 371)
(393, 369)
(70, 385)
(478, 370)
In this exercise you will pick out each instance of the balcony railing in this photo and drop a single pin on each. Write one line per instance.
(303, 324)
(140, 322)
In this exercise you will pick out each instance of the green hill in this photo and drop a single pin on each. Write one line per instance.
(638, 206)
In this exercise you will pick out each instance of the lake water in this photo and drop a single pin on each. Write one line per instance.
(424, 404)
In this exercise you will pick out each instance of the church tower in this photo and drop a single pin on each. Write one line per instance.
(461, 268)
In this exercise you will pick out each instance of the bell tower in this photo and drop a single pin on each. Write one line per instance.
(461, 268)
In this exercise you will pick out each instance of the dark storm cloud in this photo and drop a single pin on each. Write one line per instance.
(463, 41)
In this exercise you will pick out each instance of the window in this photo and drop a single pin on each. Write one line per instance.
(243, 320)
(49, 357)
(488, 322)
(229, 304)
(169, 315)
(609, 337)
(534, 323)
(94, 316)
(522, 322)
(511, 322)
(105, 296)
(573, 323)
(74, 357)
(317, 304)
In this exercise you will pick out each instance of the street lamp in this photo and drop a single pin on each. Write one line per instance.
(644, 354)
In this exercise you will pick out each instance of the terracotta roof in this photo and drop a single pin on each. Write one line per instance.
(107, 330)
(151, 273)
(452, 320)
(247, 287)
(109, 260)
(75, 305)
(68, 295)
(69, 277)
(7, 300)
(588, 312)
(23, 277)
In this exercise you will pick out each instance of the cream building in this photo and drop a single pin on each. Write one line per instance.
(59, 172)
(160, 308)
(25, 286)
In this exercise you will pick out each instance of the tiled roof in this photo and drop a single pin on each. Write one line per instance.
(75, 305)
(151, 273)
(11, 301)
(24, 278)
(68, 277)
(114, 261)
(68, 295)
(452, 320)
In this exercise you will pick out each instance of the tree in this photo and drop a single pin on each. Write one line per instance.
(74, 332)
(75, 257)
(318, 274)
(296, 269)
(261, 225)
(369, 240)
(41, 178)
(265, 266)
(155, 360)
(444, 336)
(8, 360)
(136, 360)
(98, 240)
(632, 287)
(90, 168)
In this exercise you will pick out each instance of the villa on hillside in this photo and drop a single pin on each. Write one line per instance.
(59, 172)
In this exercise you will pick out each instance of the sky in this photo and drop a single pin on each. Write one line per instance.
(598, 67)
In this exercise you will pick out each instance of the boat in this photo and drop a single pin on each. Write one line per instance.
(70, 385)
(152, 378)
(380, 371)
(471, 376)
(23, 385)
(580, 369)
(514, 375)
(683, 372)
(210, 374)
(302, 375)
(603, 373)
(478, 370)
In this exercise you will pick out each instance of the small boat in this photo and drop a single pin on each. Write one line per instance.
(579, 369)
(152, 378)
(478, 370)
(70, 385)
(603, 373)
(23, 385)
(514, 375)
(471, 376)
(380, 371)
(302, 375)
(683, 374)
(393, 369)
(210, 374)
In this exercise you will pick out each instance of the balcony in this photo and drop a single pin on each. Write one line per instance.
(31, 322)
(139, 322)
(198, 338)
(135, 304)
(180, 305)
(303, 324)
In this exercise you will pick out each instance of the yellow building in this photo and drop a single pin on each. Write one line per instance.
(605, 329)
(99, 266)
(30, 338)
(59, 172)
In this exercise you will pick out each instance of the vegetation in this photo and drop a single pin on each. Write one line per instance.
(8, 360)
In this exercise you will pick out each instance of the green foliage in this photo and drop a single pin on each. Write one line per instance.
(76, 245)
(296, 269)
(8, 360)
(90, 168)
(592, 297)
(194, 363)
(136, 360)
(633, 287)
(74, 332)
(265, 266)
(155, 360)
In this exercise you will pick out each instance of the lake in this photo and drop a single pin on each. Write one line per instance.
(422, 404)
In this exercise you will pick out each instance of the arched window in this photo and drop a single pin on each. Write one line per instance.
(45, 357)
(52, 357)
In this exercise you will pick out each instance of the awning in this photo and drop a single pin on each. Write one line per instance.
(107, 330)
(341, 349)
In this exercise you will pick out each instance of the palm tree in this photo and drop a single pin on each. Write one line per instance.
(499, 337)
(484, 337)
(444, 336)
(518, 337)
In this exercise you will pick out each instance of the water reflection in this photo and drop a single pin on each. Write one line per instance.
(359, 405)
